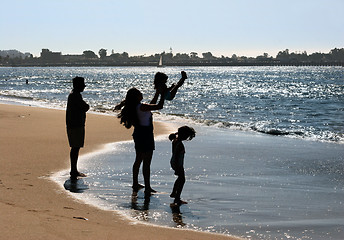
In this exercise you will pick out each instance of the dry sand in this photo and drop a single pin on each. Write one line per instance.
(33, 145)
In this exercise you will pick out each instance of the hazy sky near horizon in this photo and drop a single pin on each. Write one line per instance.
(223, 27)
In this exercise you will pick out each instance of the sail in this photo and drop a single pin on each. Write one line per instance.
(160, 62)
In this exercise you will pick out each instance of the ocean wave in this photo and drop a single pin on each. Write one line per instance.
(262, 127)
(281, 102)
(258, 127)
(14, 97)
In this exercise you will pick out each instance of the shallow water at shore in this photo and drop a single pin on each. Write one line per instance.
(243, 184)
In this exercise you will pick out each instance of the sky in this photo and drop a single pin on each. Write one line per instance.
(145, 27)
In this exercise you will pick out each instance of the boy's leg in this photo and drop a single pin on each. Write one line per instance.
(74, 154)
(76, 137)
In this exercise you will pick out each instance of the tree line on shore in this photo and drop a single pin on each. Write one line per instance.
(89, 58)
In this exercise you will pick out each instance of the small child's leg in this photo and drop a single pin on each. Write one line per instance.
(179, 184)
(174, 88)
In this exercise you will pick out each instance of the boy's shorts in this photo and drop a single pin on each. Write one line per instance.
(76, 137)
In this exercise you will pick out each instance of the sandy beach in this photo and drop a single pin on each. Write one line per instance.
(33, 146)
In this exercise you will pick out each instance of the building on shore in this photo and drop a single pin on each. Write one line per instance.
(49, 56)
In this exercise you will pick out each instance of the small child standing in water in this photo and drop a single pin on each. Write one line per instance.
(160, 80)
(177, 160)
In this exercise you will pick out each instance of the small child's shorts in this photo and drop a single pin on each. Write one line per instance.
(168, 96)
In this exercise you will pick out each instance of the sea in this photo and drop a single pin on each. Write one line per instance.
(267, 161)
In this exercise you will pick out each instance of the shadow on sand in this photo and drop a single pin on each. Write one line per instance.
(75, 185)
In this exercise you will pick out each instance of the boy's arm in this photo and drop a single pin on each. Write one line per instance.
(76, 103)
(85, 106)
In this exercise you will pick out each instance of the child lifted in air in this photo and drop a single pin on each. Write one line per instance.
(160, 79)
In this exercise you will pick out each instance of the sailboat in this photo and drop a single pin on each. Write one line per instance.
(160, 62)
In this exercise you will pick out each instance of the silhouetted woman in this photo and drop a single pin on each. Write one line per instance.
(137, 114)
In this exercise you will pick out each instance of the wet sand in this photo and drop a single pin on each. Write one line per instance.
(33, 145)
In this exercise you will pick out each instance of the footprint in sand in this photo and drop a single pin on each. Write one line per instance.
(81, 218)
(69, 208)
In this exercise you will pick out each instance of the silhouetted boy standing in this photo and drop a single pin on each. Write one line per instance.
(75, 121)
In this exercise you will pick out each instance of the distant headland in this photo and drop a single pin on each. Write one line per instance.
(15, 58)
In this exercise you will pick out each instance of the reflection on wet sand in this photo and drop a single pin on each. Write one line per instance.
(141, 210)
(177, 215)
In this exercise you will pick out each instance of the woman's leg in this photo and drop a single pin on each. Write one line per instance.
(147, 159)
(174, 190)
(136, 169)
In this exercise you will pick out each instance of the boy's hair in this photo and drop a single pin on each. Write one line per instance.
(78, 82)
(184, 133)
(160, 78)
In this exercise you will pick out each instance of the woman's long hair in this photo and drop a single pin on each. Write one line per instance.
(128, 115)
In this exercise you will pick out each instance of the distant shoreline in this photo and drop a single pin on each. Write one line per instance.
(14, 58)
(173, 64)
